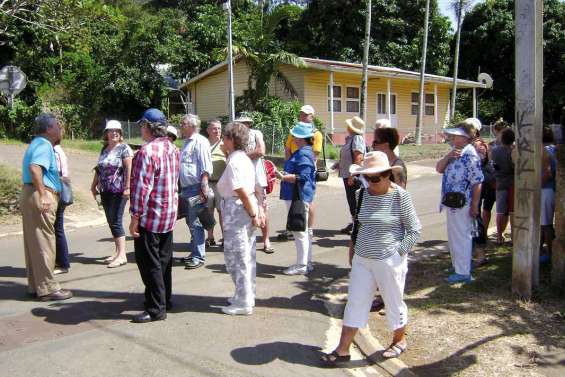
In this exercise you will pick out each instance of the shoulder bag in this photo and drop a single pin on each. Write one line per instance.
(322, 174)
(355, 229)
(296, 218)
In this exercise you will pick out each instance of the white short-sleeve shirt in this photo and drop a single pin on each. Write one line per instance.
(239, 173)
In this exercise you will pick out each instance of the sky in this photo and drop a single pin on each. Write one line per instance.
(445, 8)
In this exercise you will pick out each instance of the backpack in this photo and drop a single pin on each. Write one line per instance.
(270, 170)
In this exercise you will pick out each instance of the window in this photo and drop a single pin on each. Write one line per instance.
(381, 103)
(352, 104)
(429, 108)
(337, 98)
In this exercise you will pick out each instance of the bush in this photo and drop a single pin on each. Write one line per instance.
(18, 122)
(9, 190)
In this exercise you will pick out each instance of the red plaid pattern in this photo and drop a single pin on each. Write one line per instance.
(153, 189)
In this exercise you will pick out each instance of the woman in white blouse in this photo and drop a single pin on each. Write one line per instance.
(241, 214)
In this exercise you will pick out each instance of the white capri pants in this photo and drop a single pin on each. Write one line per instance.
(459, 238)
(389, 275)
(239, 250)
(303, 240)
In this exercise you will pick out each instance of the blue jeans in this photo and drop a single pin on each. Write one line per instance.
(114, 204)
(62, 255)
(197, 246)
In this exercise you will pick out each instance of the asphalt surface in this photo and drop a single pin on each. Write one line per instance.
(92, 334)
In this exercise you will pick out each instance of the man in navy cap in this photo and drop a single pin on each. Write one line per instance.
(153, 209)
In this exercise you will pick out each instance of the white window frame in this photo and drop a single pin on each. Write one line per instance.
(354, 100)
(338, 99)
(427, 105)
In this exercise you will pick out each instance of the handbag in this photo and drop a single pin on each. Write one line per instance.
(296, 218)
(454, 199)
(355, 229)
(322, 173)
(66, 196)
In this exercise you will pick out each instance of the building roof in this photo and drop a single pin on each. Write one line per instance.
(344, 67)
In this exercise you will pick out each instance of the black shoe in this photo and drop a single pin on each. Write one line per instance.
(193, 263)
(146, 317)
(169, 305)
(285, 236)
(347, 229)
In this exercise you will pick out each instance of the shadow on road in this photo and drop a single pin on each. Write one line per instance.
(12, 272)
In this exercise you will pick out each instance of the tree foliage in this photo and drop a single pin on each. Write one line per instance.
(487, 41)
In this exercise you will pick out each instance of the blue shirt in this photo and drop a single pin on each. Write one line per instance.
(300, 163)
(462, 174)
(195, 160)
(40, 152)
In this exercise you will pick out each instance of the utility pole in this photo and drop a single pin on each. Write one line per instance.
(529, 123)
(363, 99)
(231, 102)
(420, 120)
(456, 60)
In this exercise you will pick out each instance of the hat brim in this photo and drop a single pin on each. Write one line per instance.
(353, 128)
(456, 132)
(112, 128)
(357, 169)
(300, 136)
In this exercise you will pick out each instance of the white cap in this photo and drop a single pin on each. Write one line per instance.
(382, 123)
(307, 109)
(113, 125)
(172, 130)
(477, 125)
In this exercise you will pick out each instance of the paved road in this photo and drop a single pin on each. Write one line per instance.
(91, 334)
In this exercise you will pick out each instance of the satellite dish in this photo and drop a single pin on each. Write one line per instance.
(485, 79)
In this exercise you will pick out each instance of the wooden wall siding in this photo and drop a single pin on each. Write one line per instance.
(296, 77)
(316, 83)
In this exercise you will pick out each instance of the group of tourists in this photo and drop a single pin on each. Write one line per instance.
(227, 173)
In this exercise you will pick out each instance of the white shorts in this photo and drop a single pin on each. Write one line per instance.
(389, 275)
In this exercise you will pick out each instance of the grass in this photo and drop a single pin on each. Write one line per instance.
(411, 152)
(10, 185)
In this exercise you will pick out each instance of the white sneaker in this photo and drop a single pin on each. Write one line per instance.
(296, 269)
(237, 310)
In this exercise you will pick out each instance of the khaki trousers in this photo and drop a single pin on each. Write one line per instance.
(39, 241)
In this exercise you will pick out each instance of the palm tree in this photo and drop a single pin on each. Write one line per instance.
(264, 57)
(459, 7)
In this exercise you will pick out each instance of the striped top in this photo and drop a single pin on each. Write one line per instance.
(387, 224)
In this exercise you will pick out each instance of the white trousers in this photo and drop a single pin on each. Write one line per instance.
(459, 238)
(302, 240)
(389, 275)
(239, 251)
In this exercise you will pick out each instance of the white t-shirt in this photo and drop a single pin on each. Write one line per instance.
(239, 173)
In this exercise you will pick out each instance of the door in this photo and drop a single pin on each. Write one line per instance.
(381, 108)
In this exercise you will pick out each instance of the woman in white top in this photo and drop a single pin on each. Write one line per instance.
(241, 214)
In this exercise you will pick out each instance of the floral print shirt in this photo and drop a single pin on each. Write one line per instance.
(463, 173)
(110, 168)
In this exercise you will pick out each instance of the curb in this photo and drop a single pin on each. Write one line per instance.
(369, 346)
(71, 226)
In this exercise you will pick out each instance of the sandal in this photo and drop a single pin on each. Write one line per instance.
(117, 263)
(331, 360)
(394, 350)
(210, 242)
(268, 250)
(110, 258)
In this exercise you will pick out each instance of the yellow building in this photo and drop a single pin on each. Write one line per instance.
(392, 93)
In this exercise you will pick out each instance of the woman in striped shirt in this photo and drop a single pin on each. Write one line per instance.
(386, 228)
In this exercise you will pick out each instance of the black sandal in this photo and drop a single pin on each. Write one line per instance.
(331, 360)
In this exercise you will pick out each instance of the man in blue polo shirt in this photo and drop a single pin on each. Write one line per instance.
(40, 195)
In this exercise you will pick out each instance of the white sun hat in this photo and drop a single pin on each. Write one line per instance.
(113, 125)
(374, 162)
(307, 109)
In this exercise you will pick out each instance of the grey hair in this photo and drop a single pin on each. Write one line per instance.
(239, 133)
(192, 119)
(157, 129)
(43, 122)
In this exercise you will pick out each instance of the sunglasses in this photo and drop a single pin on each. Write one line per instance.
(372, 178)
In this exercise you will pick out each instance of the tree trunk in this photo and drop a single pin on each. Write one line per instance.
(363, 100)
(420, 120)
(456, 60)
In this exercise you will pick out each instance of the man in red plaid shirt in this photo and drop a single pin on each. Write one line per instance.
(153, 209)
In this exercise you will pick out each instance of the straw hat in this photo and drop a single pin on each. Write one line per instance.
(374, 162)
(382, 123)
(243, 119)
(173, 131)
(475, 123)
(356, 125)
